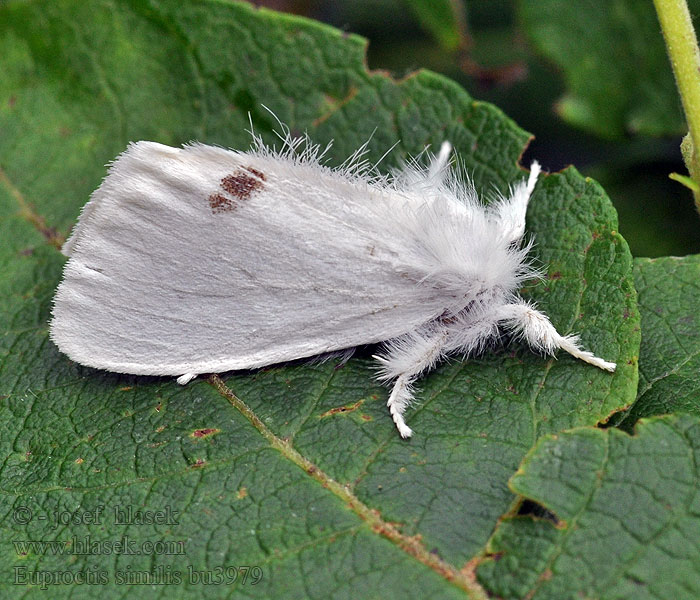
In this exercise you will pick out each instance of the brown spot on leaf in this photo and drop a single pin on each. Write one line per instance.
(335, 104)
(342, 409)
(201, 433)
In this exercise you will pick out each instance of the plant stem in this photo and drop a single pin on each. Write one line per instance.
(682, 45)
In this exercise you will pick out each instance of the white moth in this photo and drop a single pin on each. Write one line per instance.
(201, 260)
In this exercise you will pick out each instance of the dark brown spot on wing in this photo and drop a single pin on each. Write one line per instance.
(258, 174)
(220, 203)
(243, 182)
(238, 185)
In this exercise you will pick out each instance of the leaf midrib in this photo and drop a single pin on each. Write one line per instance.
(410, 545)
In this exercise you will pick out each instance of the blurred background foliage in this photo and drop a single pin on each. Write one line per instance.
(591, 80)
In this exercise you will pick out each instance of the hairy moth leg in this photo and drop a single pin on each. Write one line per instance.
(539, 332)
(186, 378)
(404, 360)
(400, 398)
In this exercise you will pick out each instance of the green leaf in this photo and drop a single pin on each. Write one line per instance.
(669, 360)
(445, 20)
(617, 73)
(295, 469)
(625, 512)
